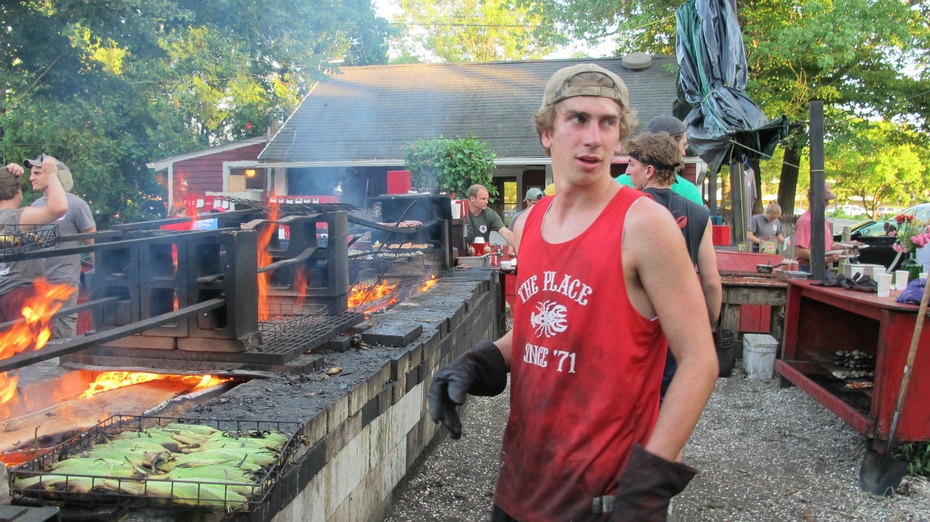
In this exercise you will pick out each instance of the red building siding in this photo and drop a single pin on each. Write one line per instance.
(205, 174)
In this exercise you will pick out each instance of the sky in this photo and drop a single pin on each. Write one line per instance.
(388, 8)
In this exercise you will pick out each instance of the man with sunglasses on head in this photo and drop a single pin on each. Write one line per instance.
(64, 270)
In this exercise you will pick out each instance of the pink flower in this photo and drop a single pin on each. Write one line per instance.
(921, 239)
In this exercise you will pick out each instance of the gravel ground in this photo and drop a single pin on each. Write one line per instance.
(764, 454)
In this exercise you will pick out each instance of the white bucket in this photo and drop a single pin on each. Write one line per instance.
(759, 356)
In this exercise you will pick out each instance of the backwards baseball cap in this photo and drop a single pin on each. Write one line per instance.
(64, 173)
(533, 194)
(559, 86)
(666, 123)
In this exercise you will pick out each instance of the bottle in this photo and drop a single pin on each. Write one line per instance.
(471, 251)
(487, 249)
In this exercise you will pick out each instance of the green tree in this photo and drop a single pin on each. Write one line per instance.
(474, 30)
(878, 163)
(861, 57)
(110, 86)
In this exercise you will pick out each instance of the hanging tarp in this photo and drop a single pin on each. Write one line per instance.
(724, 125)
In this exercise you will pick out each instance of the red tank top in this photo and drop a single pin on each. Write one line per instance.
(585, 371)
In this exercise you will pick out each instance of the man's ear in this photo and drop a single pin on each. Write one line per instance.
(545, 139)
(619, 147)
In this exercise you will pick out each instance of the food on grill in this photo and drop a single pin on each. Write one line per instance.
(190, 464)
(404, 224)
(10, 241)
(858, 385)
(852, 374)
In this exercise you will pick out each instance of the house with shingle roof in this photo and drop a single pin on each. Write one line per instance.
(353, 127)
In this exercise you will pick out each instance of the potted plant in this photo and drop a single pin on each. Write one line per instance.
(450, 164)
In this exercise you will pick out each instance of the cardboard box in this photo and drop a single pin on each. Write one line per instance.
(236, 183)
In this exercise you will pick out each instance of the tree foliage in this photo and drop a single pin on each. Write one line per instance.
(474, 30)
(863, 58)
(110, 86)
(878, 165)
(451, 164)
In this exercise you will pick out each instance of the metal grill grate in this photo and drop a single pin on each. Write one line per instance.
(141, 492)
(304, 332)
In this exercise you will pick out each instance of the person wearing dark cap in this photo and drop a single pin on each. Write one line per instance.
(533, 195)
(803, 235)
(677, 130)
(601, 293)
(64, 270)
(653, 160)
(17, 277)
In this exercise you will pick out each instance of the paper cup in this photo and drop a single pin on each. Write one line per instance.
(884, 284)
(923, 275)
(900, 279)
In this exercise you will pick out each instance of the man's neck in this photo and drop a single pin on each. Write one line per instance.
(474, 210)
(652, 183)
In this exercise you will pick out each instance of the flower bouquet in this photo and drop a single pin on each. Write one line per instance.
(911, 235)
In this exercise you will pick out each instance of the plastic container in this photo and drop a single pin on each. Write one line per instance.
(398, 181)
(726, 351)
(721, 235)
(759, 356)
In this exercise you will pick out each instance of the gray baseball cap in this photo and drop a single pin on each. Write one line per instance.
(559, 86)
(64, 173)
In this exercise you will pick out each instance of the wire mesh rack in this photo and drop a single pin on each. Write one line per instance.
(49, 479)
(16, 239)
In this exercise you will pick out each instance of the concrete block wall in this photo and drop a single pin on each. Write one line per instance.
(362, 446)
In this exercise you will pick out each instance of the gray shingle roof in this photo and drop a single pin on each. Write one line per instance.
(366, 115)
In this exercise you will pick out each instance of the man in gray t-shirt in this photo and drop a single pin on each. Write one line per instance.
(78, 220)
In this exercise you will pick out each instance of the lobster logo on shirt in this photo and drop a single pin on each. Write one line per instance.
(551, 319)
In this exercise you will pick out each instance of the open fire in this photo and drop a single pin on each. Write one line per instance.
(112, 380)
(383, 295)
(264, 259)
(33, 332)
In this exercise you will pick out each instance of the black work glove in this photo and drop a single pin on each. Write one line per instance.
(479, 371)
(647, 485)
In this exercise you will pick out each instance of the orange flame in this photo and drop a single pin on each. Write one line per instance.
(300, 285)
(33, 332)
(431, 282)
(7, 387)
(107, 381)
(363, 293)
(264, 259)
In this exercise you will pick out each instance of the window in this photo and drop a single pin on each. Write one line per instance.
(255, 178)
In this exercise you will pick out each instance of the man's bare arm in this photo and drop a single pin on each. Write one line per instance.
(508, 236)
(710, 277)
(653, 247)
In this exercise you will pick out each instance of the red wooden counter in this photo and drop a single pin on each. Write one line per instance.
(820, 321)
(751, 301)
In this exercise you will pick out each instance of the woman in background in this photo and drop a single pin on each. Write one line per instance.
(766, 227)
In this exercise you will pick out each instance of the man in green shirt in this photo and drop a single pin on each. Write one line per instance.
(676, 129)
(480, 220)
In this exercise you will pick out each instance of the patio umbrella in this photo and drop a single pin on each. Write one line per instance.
(724, 124)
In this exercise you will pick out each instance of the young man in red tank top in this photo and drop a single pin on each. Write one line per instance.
(601, 293)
